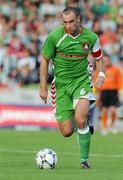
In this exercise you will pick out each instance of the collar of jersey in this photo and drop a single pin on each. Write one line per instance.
(66, 34)
(74, 37)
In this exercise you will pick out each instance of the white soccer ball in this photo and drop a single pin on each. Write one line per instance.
(46, 159)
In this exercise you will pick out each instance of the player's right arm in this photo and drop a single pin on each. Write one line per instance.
(43, 78)
(47, 54)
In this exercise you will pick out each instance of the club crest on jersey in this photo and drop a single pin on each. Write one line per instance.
(85, 47)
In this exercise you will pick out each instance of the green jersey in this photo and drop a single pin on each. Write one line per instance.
(69, 53)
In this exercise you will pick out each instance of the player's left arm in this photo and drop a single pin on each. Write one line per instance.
(98, 56)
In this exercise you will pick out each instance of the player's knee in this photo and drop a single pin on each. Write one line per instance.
(66, 132)
(81, 122)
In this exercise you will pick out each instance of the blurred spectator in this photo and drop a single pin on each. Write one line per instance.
(113, 9)
(99, 8)
(22, 28)
(110, 44)
(4, 65)
(120, 15)
(15, 47)
(47, 8)
(72, 3)
(88, 20)
(5, 8)
(26, 69)
(107, 22)
(96, 26)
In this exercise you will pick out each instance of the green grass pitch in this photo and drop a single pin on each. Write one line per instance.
(18, 150)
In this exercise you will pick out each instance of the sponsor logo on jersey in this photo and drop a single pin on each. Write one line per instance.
(74, 42)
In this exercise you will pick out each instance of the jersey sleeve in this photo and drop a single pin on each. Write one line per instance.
(96, 50)
(49, 48)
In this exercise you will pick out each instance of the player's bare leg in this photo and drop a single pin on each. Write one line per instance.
(81, 114)
(104, 119)
(113, 117)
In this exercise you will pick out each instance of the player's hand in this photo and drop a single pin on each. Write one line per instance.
(43, 94)
(99, 82)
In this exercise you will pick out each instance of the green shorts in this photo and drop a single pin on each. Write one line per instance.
(66, 95)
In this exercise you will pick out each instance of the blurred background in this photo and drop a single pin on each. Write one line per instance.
(24, 26)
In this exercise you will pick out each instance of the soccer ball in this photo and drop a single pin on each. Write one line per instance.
(46, 159)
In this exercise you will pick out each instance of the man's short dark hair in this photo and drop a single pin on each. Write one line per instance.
(68, 10)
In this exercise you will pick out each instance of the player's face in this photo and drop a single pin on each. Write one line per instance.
(71, 23)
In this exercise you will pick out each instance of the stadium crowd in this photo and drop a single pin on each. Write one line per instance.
(24, 26)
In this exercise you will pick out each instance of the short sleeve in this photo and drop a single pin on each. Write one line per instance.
(49, 48)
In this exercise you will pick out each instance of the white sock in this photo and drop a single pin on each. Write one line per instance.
(84, 130)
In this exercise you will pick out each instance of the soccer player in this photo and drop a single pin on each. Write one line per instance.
(109, 96)
(68, 46)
